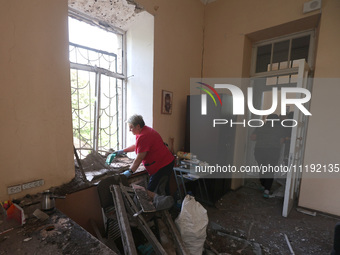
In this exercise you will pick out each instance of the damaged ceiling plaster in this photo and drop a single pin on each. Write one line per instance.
(116, 13)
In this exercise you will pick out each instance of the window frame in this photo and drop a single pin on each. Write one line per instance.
(101, 71)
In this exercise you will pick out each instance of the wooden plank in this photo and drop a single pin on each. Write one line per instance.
(144, 227)
(289, 245)
(181, 249)
(80, 165)
(124, 226)
(144, 200)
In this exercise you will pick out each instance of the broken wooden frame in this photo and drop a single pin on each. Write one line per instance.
(124, 225)
(80, 165)
(126, 207)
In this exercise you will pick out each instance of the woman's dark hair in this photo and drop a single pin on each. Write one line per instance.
(136, 120)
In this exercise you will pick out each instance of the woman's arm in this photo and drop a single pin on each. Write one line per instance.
(138, 160)
(130, 148)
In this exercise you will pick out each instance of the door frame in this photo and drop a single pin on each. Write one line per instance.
(292, 186)
(287, 71)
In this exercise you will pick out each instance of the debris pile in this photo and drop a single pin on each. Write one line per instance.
(140, 223)
(94, 169)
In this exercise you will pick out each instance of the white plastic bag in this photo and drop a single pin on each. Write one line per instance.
(192, 224)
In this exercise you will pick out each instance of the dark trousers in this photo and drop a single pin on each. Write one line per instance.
(267, 157)
(336, 242)
(159, 182)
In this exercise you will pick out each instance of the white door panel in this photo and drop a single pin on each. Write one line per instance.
(297, 145)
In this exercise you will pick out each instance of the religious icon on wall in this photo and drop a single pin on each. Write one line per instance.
(166, 102)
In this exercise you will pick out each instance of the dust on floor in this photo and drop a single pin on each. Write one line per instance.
(247, 215)
(242, 221)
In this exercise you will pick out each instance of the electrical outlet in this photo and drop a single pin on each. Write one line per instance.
(13, 189)
(33, 184)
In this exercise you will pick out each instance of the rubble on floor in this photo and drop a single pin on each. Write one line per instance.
(247, 215)
(241, 222)
(249, 221)
(225, 242)
(55, 235)
(138, 228)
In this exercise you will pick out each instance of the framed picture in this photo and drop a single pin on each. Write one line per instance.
(166, 102)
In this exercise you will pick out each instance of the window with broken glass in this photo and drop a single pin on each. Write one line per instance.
(276, 58)
(97, 87)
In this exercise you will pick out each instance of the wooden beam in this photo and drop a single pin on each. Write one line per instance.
(124, 226)
(80, 165)
(144, 227)
(181, 249)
